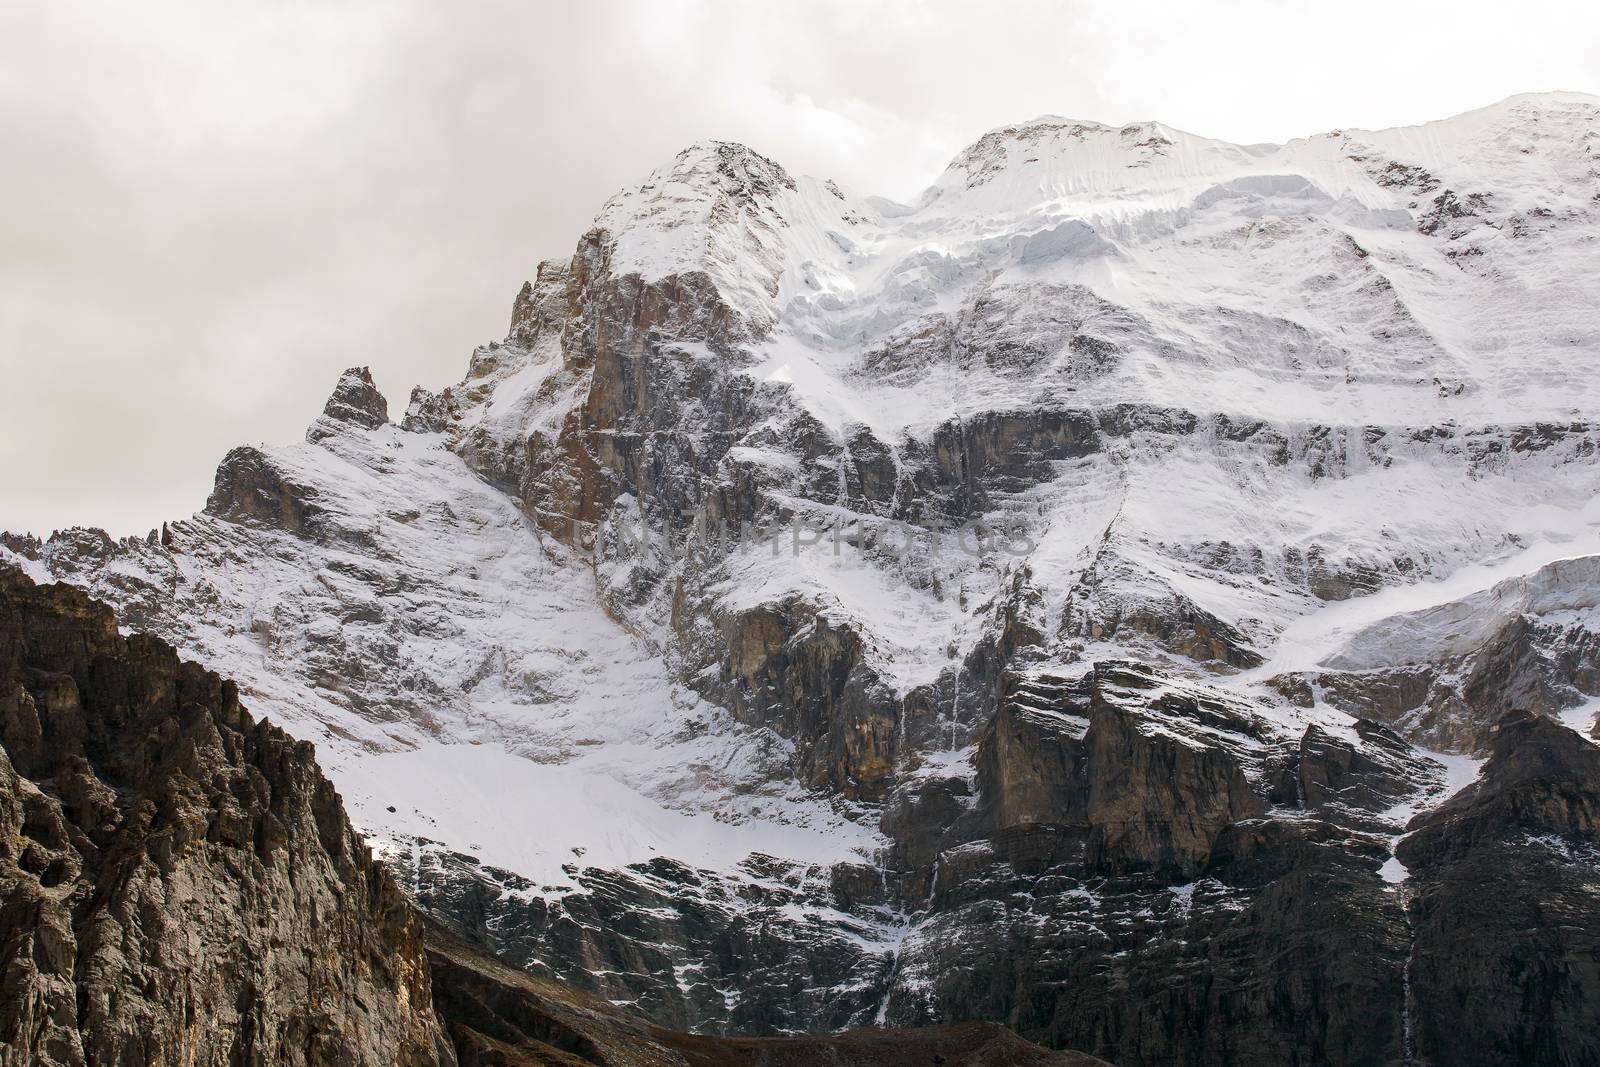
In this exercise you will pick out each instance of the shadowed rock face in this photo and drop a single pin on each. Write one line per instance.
(506, 1018)
(249, 488)
(178, 882)
(788, 668)
(1085, 758)
(1505, 957)
(1126, 884)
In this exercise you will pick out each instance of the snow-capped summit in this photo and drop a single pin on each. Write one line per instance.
(1055, 164)
(726, 211)
(702, 188)
(1416, 260)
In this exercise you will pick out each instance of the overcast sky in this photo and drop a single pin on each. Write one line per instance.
(209, 209)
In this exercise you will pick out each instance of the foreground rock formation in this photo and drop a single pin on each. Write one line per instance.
(178, 882)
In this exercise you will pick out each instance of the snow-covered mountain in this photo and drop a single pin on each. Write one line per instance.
(821, 611)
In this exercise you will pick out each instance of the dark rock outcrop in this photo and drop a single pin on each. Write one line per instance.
(794, 670)
(428, 412)
(178, 882)
(249, 487)
(687, 949)
(1166, 923)
(355, 402)
(1505, 955)
(506, 1018)
(1352, 780)
(1127, 773)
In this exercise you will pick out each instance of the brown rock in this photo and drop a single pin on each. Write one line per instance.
(178, 882)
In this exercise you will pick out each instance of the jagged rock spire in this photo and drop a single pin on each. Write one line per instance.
(428, 412)
(355, 402)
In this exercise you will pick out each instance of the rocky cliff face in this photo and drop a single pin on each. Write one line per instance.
(1047, 601)
(178, 882)
(1503, 915)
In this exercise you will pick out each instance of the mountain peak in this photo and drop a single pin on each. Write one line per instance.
(1550, 98)
(710, 169)
(355, 402)
(718, 208)
(1031, 141)
(735, 161)
(1051, 162)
